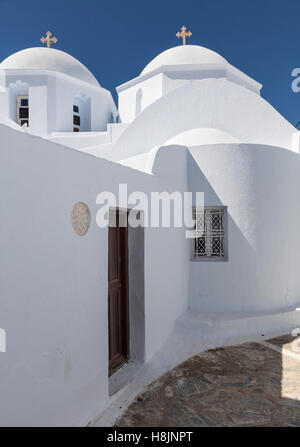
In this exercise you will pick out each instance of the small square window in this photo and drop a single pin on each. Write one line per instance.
(76, 129)
(75, 109)
(24, 122)
(210, 235)
(76, 120)
(24, 102)
(23, 112)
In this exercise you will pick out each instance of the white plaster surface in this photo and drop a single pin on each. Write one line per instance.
(185, 55)
(175, 68)
(42, 58)
(212, 103)
(203, 136)
(260, 186)
(55, 81)
(53, 293)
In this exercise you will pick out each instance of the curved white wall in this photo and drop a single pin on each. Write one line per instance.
(207, 103)
(202, 136)
(260, 185)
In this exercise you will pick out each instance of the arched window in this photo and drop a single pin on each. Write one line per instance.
(81, 113)
(19, 103)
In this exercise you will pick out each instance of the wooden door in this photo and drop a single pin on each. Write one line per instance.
(118, 312)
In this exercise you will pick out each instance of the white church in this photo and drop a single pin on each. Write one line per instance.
(85, 308)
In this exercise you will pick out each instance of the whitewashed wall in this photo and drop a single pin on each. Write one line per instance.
(208, 103)
(53, 283)
(151, 89)
(260, 185)
(51, 97)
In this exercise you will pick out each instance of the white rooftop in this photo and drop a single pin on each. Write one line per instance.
(185, 55)
(41, 58)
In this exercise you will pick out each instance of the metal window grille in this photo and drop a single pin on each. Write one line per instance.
(209, 241)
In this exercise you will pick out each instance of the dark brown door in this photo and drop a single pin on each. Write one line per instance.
(118, 314)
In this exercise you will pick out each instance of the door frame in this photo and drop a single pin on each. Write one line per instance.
(115, 213)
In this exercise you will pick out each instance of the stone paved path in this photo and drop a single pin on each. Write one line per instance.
(245, 385)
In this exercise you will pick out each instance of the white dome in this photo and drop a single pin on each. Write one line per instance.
(202, 136)
(41, 58)
(185, 55)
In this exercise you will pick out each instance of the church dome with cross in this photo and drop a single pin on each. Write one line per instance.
(185, 55)
(174, 69)
(40, 58)
(51, 93)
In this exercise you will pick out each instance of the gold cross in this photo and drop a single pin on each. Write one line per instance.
(49, 40)
(183, 34)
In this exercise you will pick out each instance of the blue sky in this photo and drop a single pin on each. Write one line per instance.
(116, 39)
